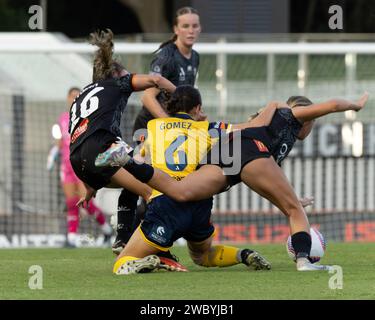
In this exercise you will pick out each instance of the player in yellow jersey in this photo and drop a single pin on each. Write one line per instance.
(176, 145)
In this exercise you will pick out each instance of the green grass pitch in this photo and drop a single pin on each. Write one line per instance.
(86, 274)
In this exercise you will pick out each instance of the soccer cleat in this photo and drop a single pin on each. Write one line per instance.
(303, 264)
(169, 262)
(143, 265)
(254, 260)
(171, 265)
(115, 156)
(118, 246)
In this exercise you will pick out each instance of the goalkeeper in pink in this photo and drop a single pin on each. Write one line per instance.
(73, 187)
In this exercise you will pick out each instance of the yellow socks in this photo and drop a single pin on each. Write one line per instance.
(222, 256)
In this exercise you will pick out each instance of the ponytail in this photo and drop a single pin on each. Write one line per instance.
(171, 40)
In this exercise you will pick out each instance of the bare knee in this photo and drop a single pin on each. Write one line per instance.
(198, 258)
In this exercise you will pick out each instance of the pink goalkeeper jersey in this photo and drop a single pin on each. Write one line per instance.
(66, 171)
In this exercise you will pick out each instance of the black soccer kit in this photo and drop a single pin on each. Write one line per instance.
(276, 140)
(170, 64)
(94, 125)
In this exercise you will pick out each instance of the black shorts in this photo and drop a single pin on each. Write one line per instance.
(167, 220)
(83, 160)
(143, 117)
(250, 149)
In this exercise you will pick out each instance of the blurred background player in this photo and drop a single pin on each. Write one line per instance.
(178, 62)
(73, 187)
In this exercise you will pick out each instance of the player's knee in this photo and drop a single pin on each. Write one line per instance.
(200, 260)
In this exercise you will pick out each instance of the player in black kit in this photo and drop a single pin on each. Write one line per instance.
(95, 118)
(178, 62)
(263, 147)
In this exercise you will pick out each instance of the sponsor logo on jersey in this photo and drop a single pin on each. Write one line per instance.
(282, 153)
(182, 74)
(80, 130)
(261, 146)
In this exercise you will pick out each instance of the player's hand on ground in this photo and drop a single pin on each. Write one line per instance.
(306, 201)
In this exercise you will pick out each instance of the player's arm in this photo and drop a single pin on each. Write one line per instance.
(336, 105)
(262, 117)
(162, 65)
(152, 104)
(144, 81)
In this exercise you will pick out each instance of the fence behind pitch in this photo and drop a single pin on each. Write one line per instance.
(336, 164)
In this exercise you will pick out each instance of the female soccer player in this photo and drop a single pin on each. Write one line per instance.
(258, 170)
(73, 187)
(167, 220)
(177, 61)
(95, 118)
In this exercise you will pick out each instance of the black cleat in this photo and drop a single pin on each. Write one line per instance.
(254, 260)
(118, 246)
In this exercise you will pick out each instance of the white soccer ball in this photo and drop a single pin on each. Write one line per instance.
(318, 246)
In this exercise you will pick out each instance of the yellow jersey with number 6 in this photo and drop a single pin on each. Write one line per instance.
(177, 144)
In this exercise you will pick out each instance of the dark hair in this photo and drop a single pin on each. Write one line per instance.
(294, 101)
(184, 99)
(179, 12)
(73, 89)
(104, 64)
